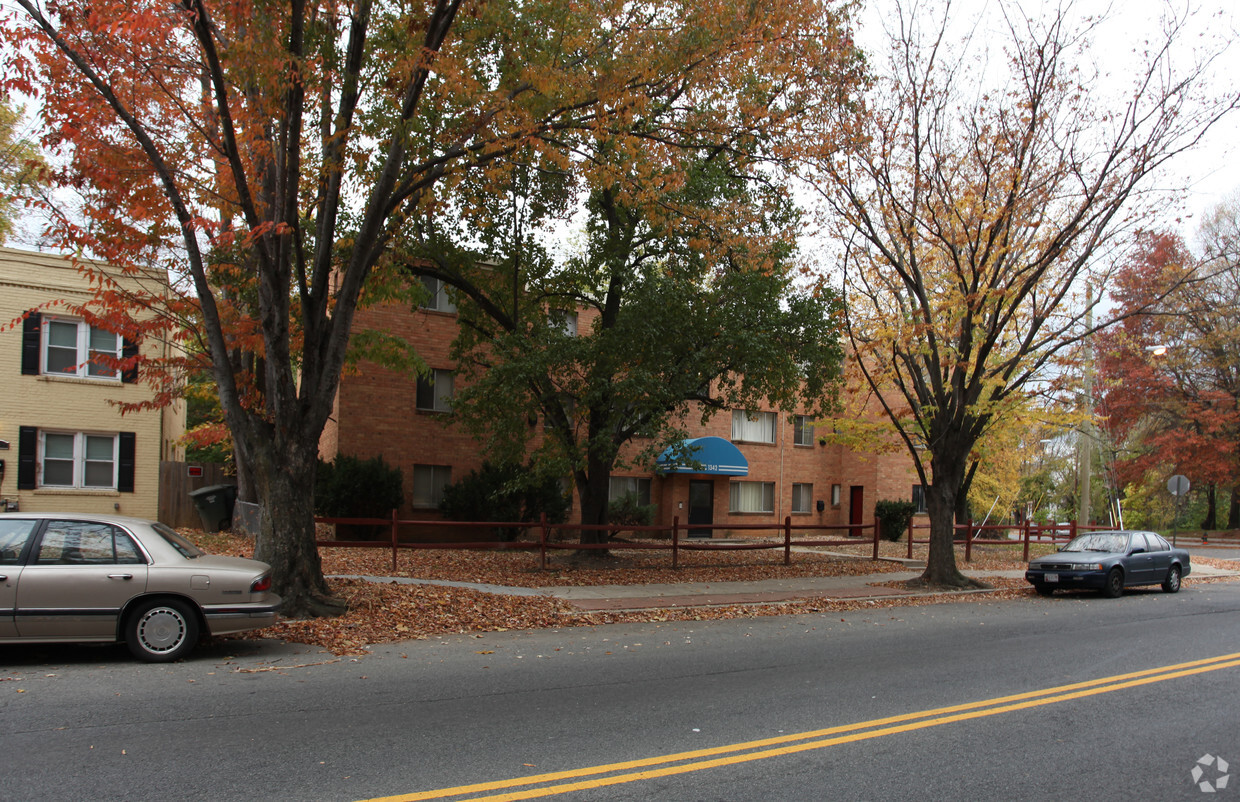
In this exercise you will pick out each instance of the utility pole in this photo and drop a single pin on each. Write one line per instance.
(1085, 450)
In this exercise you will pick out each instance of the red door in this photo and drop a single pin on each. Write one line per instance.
(856, 505)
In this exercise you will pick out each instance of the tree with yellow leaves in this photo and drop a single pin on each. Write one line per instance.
(979, 215)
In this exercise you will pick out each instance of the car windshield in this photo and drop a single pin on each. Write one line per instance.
(177, 541)
(1099, 541)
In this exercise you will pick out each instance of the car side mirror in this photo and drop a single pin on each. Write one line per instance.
(1137, 551)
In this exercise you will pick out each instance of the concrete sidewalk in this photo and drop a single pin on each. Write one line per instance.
(618, 598)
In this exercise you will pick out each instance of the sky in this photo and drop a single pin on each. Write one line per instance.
(1208, 174)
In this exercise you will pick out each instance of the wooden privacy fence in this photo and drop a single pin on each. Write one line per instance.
(1029, 532)
(676, 543)
(176, 508)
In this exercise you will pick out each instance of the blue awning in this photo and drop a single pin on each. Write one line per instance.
(704, 455)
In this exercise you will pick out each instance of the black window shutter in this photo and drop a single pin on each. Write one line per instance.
(27, 449)
(129, 349)
(32, 332)
(124, 477)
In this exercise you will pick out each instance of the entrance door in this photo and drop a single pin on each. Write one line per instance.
(856, 505)
(701, 506)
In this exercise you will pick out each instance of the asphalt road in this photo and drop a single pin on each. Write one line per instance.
(890, 704)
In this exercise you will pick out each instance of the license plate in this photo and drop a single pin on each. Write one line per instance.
(1050, 577)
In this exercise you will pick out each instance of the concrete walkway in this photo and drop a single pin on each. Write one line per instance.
(617, 598)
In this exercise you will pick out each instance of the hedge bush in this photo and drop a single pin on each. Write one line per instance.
(893, 517)
(504, 493)
(350, 487)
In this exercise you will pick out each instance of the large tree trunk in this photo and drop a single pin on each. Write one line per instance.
(285, 479)
(1233, 509)
(1211, 520)
(941, 499)
(592, 488)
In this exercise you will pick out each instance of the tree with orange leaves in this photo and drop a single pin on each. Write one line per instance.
(269, 154)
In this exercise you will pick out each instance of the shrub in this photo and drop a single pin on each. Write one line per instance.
(629, 511)
(893, 517)
(355, 488)
(504, 493)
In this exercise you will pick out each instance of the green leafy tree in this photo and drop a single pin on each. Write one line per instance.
(21, 165)
(280, 149)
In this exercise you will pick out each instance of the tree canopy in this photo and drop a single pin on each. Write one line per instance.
(272, 154)
(984, 199)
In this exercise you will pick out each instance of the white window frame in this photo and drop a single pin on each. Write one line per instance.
(565, 320)
(753, 427)
(83, 367)
(439, 300)
(751, 497)
(438, 476)
(620, 486)
(440, 386)
(80, 460)
(802, 430)
(802, 497)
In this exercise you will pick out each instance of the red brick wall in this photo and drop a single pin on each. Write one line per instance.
(377, 415)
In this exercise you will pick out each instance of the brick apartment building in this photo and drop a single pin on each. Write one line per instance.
(757, 467)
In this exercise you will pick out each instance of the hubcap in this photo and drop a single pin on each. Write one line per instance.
(161, 629)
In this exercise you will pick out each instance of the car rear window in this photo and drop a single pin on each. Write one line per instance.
(177, 541)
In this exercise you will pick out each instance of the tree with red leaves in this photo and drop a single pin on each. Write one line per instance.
(1170, 375)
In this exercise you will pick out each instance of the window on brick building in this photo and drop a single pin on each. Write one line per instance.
(621, 486)
(751, 497)
(565, 320)
(753, 427)
(919, 498)
(835, 495)
(802, 430)
(428, 484)
(802, 497)
(435, 391)
(439, 300)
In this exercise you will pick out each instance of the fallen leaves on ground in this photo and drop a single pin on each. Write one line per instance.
(382, 612)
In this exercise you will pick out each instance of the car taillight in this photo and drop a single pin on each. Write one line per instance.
(261, 584)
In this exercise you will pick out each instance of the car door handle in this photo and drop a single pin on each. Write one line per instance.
(120, 576)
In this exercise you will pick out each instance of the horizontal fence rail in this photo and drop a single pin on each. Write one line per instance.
(671, 539)
(1027, 533)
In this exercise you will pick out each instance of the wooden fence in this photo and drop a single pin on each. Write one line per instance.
(673, 539)
(176, 508)
(1000, 534)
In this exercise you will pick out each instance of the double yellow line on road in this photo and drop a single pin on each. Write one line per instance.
(701, 759)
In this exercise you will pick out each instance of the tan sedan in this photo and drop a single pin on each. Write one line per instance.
(66, 577)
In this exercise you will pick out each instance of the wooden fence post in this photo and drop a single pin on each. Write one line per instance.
(1026, 539)
(787, 540)
(910, 537)
(394, 530)
(542, 542)
(675, 541)
(968, 541)
(877, 529)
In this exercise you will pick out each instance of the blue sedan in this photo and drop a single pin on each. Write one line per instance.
(1110, 562)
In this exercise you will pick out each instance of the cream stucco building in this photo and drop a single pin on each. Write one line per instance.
(63, 444)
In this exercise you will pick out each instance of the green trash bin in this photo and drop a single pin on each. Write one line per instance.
(215, 505)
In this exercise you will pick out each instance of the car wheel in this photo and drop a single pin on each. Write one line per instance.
(1114, 587)
(161, 631)
(1172, 583)
(1044, 589)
